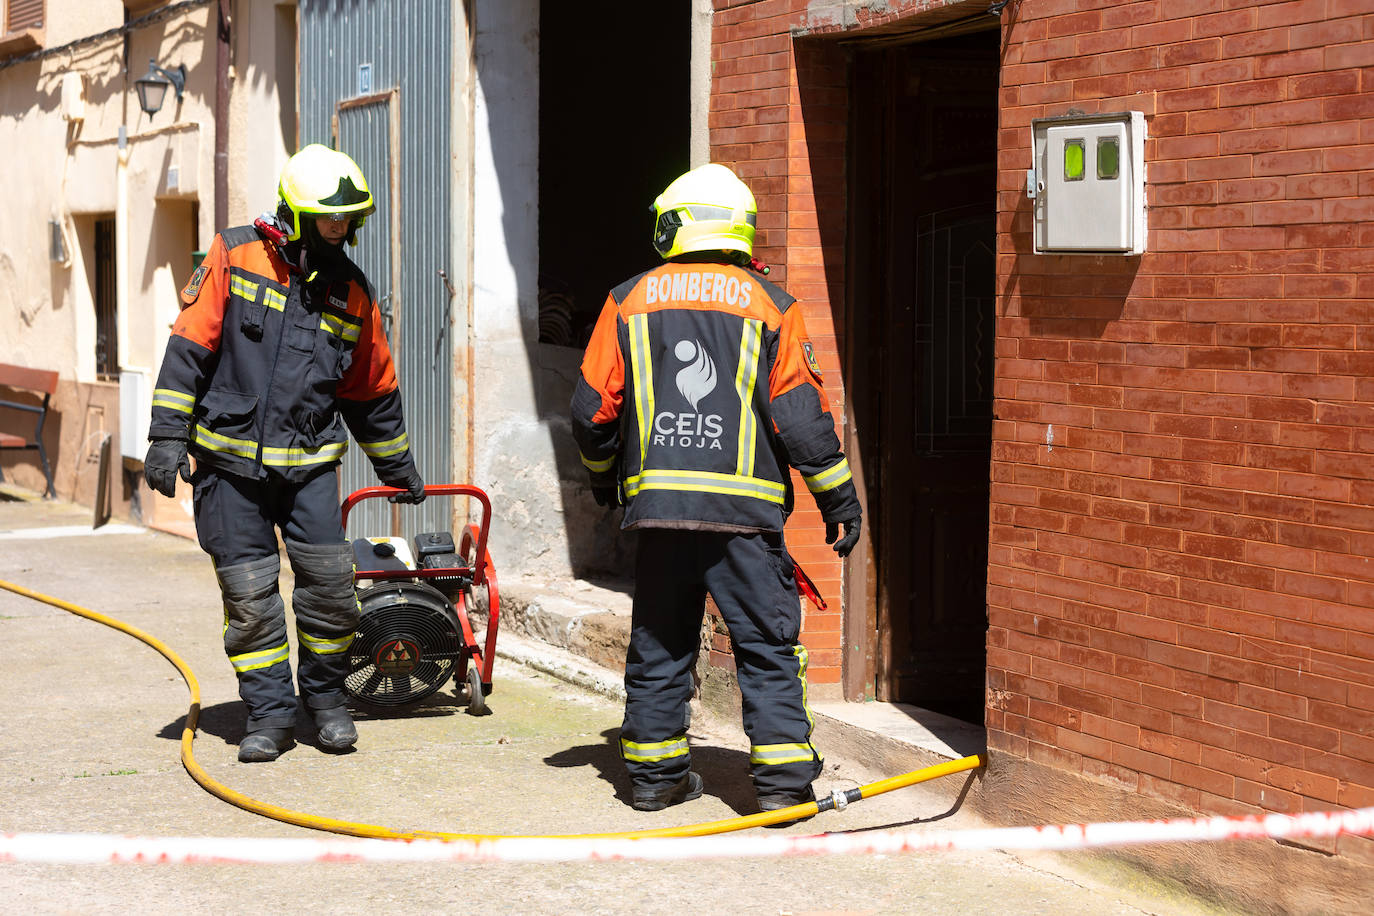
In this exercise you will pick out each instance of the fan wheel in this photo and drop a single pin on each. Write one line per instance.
(406, 647)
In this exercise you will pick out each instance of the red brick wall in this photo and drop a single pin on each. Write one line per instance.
(1180, 589)
(757, 128)
(1180, 586)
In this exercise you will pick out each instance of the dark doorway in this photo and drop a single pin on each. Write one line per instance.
(614, 130)
(922, 268)
(106, 301)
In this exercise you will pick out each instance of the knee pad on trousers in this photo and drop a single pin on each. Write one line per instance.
(324, 600)
(254, 616)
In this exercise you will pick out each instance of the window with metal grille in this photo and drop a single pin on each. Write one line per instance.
(106, 313)
(23, 14)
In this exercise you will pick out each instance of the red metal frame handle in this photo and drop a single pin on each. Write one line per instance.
(437, 489)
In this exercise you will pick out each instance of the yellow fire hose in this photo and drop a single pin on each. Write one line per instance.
(350, 828)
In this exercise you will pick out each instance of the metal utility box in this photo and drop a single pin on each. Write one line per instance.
(1088, 184)
(135, 413)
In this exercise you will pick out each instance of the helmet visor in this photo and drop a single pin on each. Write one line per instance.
(665, 231)
(670, 221)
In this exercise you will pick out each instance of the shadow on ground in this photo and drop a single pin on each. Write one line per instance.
(725, 771)
(226, 720)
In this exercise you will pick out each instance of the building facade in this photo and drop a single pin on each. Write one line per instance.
(1118, 505)
(1145, 476)
(116, 202)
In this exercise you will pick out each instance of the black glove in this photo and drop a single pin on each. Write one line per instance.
(852, 527)
(607, 496)
(166, 459)
(414, 486)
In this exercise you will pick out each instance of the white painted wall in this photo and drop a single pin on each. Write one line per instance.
(513, 446)
(546, 524)
(702, 11)
(262, 49)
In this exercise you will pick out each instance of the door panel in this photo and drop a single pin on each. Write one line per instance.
(363, 130)
(925, 154)
(372, 72)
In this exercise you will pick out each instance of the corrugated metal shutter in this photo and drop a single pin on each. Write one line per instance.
(358, 48)
(364, 133)
(24, 14)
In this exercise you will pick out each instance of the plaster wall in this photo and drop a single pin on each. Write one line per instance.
(514, 453)
(524, 455)
(701, 82)
(263, 127)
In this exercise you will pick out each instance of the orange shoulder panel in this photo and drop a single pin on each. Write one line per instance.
(796, 363)
(203, 299)
(372, 373)
(603, 365)
(261, 258)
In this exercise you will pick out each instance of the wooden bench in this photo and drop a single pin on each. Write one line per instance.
(39, 381)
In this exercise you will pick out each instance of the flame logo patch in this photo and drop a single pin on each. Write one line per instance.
(698, 378)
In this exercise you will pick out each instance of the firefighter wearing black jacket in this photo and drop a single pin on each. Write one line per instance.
(699, 389)
(278, 348)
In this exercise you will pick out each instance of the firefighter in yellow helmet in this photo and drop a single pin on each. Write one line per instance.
(699, 392)
(277, 355)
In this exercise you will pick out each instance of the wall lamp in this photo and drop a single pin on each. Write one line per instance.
(152, 86)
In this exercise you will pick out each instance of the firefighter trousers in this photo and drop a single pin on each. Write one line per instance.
(752, 580)
(236, 522)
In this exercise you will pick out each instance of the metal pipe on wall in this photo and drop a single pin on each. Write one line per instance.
(464, 77)
(221, 115)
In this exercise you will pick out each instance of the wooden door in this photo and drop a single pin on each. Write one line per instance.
(925, 166)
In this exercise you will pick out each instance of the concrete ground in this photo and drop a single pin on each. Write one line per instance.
(91, 721)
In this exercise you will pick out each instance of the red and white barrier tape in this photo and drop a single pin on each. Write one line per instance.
(67, 849)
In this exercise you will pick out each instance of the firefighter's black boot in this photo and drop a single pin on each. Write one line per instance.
(337, 732)
(778, 801)
(657, 798)
(265, 744)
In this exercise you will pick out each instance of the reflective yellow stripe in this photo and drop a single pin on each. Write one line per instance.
(386, 449)
(598, 466)
(265, 658)
(166, 397)
(324, 646)
(248, 289)
(340, 327)
(642, 367)
(745, 378)
(830, 478)
(241, 286)
(781, 753)
(299, 457)
(707, 482)
(790, 753)
(648, 753)
(244, 448)
(802, 661)
(272, 455)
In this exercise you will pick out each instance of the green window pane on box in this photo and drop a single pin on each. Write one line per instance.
(1108, 157)
(1073, 160)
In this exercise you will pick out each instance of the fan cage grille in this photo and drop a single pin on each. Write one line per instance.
(413, 630)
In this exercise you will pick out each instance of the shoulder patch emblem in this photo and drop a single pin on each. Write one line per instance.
(192, 289)
(810, 355)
